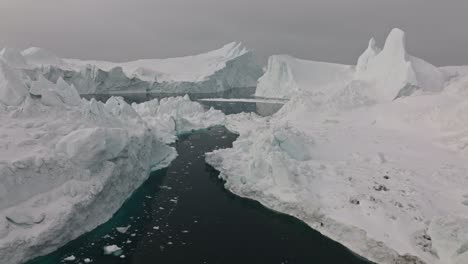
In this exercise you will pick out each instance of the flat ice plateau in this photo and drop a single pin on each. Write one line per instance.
(67, 164)
(373, 156)
(229, 67)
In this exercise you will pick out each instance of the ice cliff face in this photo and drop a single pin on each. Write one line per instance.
(286, 76)
(67, 164)
(231, 66)
(386, 73)
(12, 90)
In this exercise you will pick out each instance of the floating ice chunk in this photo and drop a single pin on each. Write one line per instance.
(87, 260)
(70, 258)
(123, 230)
(112, 250)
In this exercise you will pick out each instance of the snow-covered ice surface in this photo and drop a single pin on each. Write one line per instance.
(232, 66)
(379, 168)
(67, 164)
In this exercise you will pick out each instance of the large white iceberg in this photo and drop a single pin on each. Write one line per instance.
(383, 174)
(390, 72)
(67, 164)
(286, 76)
(232, 66)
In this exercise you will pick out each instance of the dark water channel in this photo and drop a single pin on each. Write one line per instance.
(183, 214)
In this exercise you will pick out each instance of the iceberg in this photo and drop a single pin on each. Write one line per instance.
(286, 76)
(394, 72)
(67, 164)
(379, 170)
(230, 67)
(390, 72)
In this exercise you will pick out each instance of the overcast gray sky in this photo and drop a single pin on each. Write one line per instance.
(327, 30)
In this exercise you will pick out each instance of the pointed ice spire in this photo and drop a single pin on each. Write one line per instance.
(395, 45)
(392, 71)
(363, 61)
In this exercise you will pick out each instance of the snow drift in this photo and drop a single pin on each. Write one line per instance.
(67, 164)
(381, 171)
(231, 66)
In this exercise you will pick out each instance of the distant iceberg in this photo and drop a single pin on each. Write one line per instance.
(232, 66)
(391, 71)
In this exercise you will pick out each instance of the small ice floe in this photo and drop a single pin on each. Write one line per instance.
(123, 230)
(173, 200)
(148, 197)
(129, 241)
(185, 231)
(112, 250)
(122, 256)
(169, 243)
(165, 187)
(132, 235)
(70, 258)
(87, 260)
(161, 208)
(156, 227)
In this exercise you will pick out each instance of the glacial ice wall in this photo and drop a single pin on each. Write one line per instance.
(232, 66)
